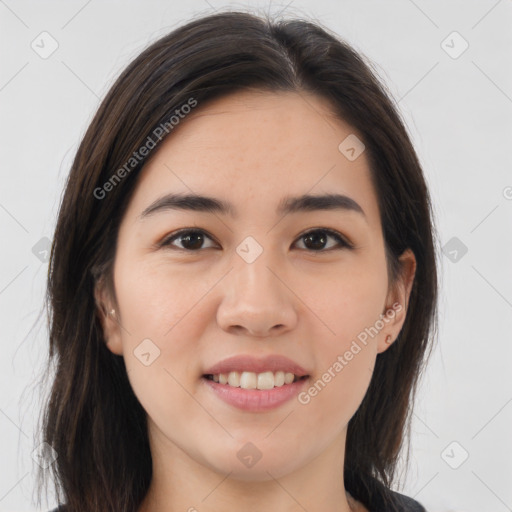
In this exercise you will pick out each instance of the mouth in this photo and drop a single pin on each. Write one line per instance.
(255, 384)
(255, 392)
(256, 381)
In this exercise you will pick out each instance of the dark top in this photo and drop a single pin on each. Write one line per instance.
(376, 498)
(402, 504)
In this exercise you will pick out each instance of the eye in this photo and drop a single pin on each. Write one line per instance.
(193, 240)
(318, 238)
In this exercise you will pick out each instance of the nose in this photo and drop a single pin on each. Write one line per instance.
(256, 301)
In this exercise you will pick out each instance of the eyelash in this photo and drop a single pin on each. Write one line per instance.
(343, 243)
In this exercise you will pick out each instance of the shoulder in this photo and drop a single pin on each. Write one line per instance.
(393, 502)
(376, 497)
(407, 504)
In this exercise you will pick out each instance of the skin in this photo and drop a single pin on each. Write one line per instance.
(298, 299)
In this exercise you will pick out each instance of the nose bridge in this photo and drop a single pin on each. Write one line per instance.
(255, 298)
(253, 277)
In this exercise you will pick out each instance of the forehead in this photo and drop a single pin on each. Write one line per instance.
(251, 148)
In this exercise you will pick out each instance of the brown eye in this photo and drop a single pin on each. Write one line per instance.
(191, 240)
(316, 240)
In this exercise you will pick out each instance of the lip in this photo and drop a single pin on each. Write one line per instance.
(255, 400)
(247, 363)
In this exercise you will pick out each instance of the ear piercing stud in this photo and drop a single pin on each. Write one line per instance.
(113, 312)
(388, 339)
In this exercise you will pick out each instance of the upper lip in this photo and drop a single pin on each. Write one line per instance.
(247, 363)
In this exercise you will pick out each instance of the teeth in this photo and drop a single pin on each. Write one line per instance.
(279, 378)
(251, 380)
(234, 379)
(248, 380)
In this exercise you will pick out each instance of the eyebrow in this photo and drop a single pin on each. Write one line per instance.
(289, 204)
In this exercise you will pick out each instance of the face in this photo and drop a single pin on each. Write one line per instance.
(196, 286)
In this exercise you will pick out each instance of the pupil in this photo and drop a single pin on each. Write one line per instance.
(315, 237)
(186, 239)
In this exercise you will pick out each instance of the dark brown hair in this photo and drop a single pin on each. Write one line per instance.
(93, 420)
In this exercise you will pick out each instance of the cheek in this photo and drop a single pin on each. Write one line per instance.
(349, 308)
(161, 319)
(348, 302)
(345, 368)
(337, 390)
(157, 300)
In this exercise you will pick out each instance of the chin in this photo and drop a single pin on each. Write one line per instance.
(258, 473)
(258, 470)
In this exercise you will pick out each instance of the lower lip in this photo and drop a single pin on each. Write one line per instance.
(256, 400)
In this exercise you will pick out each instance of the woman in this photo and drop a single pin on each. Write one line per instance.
(242, 282)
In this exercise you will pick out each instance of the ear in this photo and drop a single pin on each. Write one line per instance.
(397, 301)
(109, 317)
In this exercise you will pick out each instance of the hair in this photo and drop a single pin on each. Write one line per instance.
(92, 419)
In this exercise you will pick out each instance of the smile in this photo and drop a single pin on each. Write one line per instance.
(252, 380)
(254, 399)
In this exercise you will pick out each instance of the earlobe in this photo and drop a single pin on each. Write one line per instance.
(398, 301)
(108, 319)
(113, 340)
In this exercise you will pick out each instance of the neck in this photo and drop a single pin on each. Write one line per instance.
(183, 483)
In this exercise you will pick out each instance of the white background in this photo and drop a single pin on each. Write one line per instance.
(459, 113)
